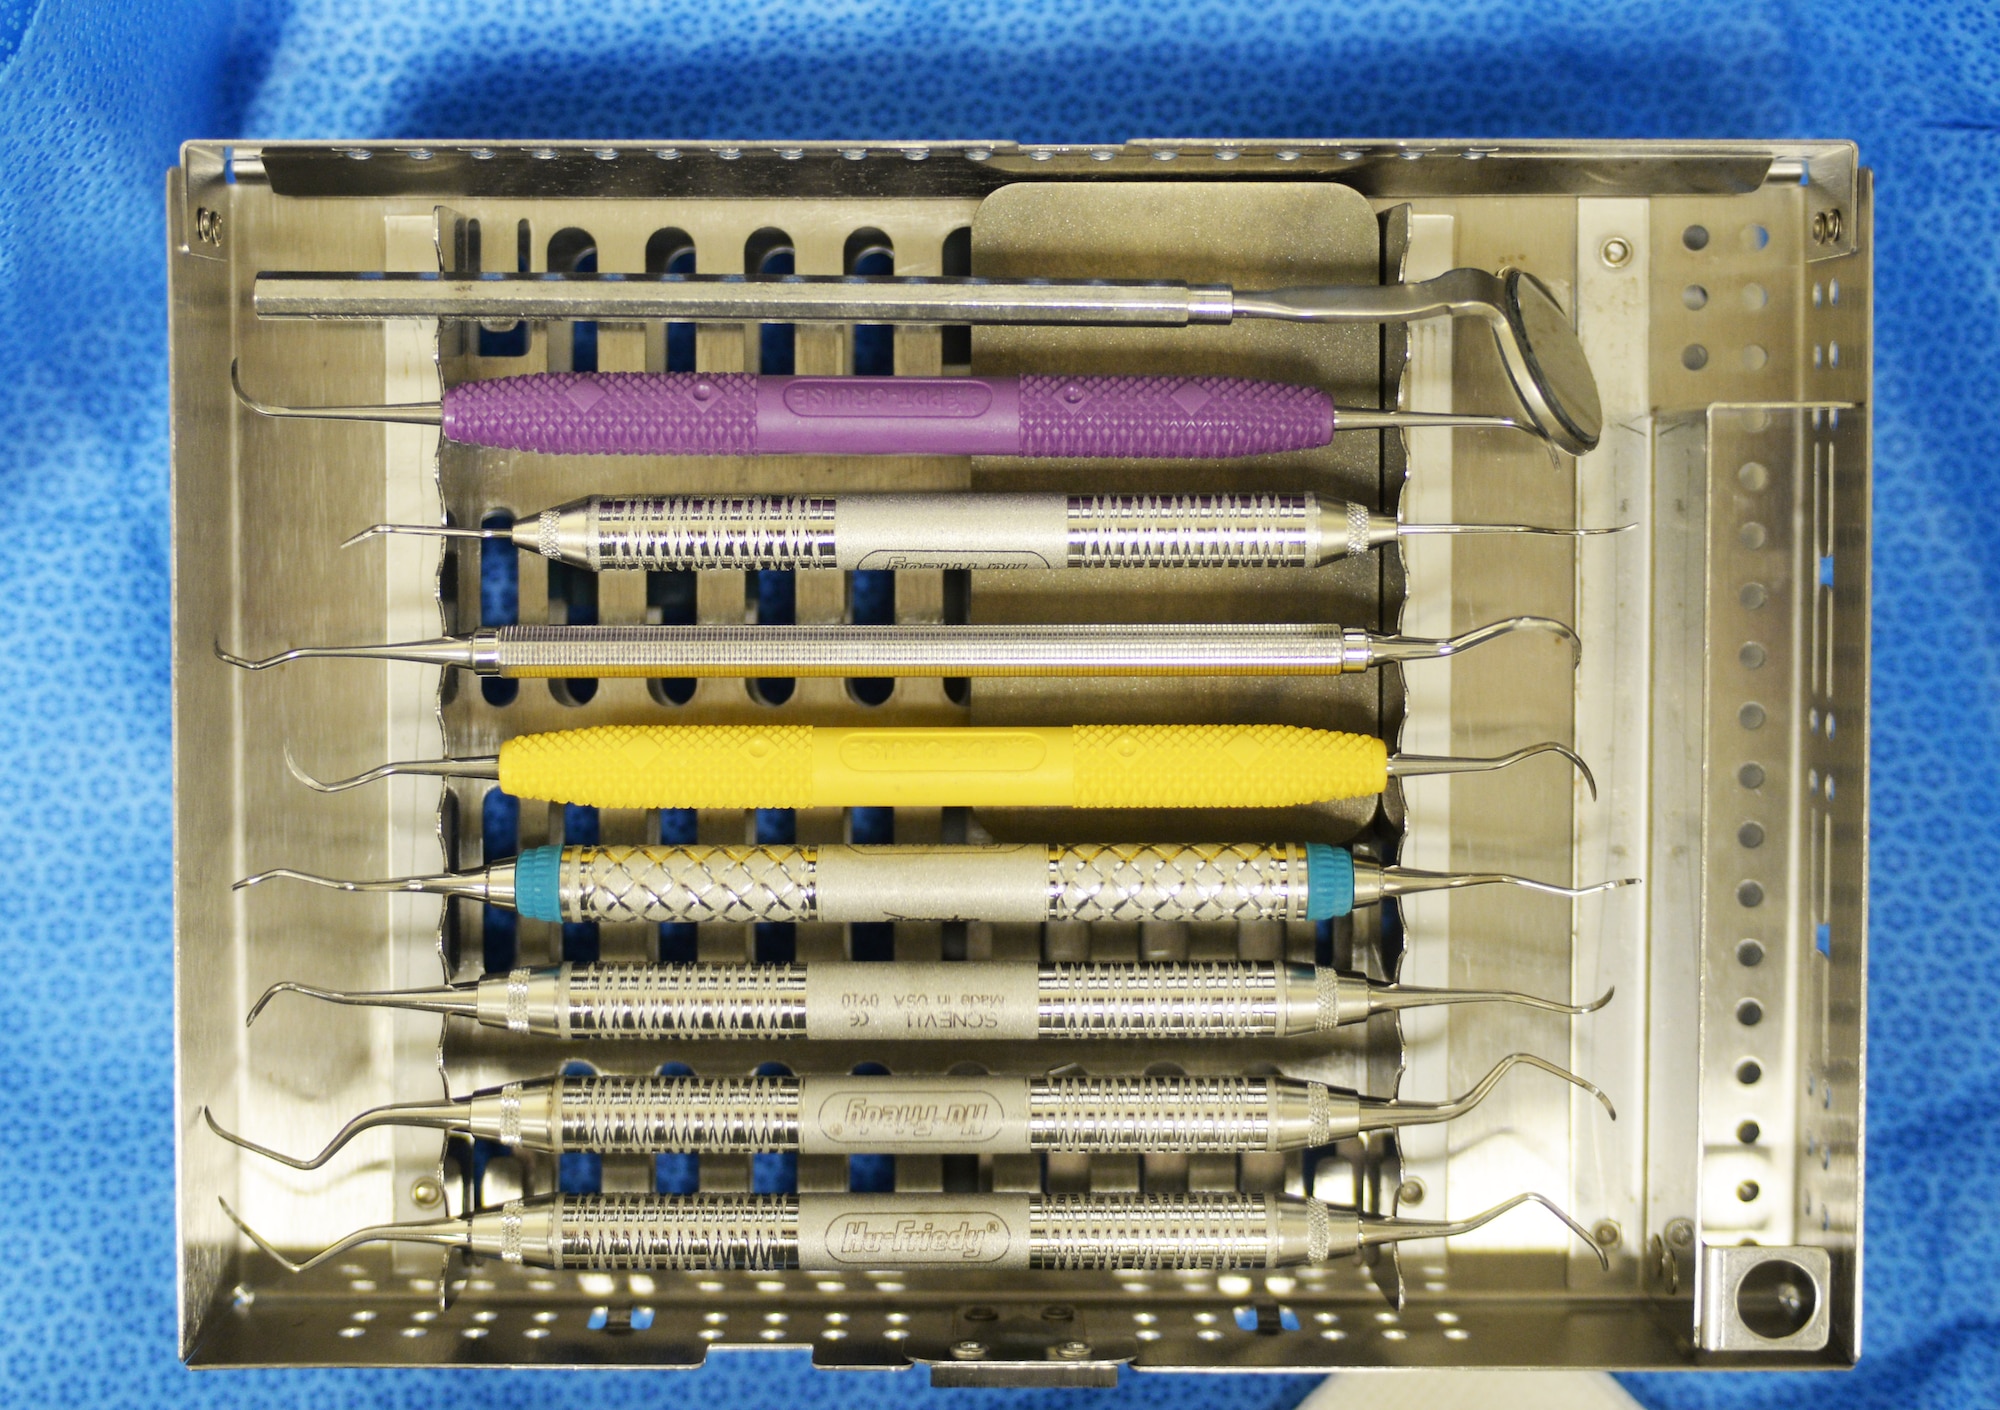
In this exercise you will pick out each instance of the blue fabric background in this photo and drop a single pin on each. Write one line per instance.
(94, 98)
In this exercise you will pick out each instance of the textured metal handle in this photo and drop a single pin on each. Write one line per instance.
(1168, 882)
(1151, 1114)
(640, 1115)
(641, 1232)
(697, 884)
(639, 1001)
(698, 531)
(1213, 999)
(986, 531)
(1150, 1231)
(1092, 882)
(1193, 530)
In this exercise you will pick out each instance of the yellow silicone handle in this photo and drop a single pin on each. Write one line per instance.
(1085, 766)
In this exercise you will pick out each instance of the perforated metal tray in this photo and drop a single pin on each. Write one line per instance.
(1723, 293)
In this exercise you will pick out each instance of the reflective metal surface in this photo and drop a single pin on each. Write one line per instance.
(261, 504)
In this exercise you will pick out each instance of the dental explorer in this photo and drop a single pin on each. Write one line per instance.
(910, 1115)
(1078, 766)
(920, 649)
(1539, 347)
(987, 531)
(895, 1231)
(998, 882)
(996, 1001)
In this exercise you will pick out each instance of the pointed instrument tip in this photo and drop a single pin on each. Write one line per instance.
(440, 531)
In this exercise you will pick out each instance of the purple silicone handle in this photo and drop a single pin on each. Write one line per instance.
(734, 413)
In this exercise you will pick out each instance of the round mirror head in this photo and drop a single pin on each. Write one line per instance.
(1548, 366)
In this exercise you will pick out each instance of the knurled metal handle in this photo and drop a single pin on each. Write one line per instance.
(1094, 882)
(641, 1232)
(1150, 1114)
(637, 1001)
(1202, 999)
(692, 884)
(708, 531)
(1168, 882)
(640, 1115)
(1150, 1231)
(1178, 531)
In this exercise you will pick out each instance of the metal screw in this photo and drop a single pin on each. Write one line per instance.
(426, 1192)
(968, 1350)
(1073, 1351)
(1680, 1233)
(1615, 252)
(1058, 1314)
(1410, 1192)
(1607, 1233)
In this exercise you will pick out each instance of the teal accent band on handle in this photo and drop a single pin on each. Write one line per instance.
(538, 883)
(1329, 881)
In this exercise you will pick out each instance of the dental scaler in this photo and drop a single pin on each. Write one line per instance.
(990, 1000)
(909, 1115)
(999, 882)
(1079, 766)
(927, 1231)
(988, 531)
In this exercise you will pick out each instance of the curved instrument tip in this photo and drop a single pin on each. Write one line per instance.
(265, 1151)
(259, 1240)
(249, 663)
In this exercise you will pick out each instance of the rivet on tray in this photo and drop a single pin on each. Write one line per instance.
(667, 154)
(979, 154)
(916, 154)
(729, 154)
(1286, 154)
(854, 154)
